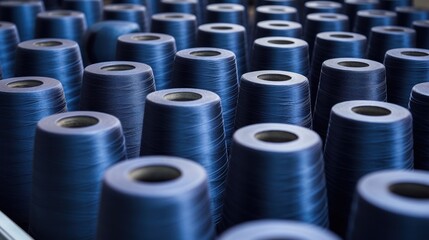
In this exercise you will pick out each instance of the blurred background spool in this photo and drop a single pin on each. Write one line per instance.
(226, 13)
(391, 5)
(155, 49)
(330, 45)
(160, 197)
(322, 7)
(187, 123)
(397, 200)
(23, 15)
(228, 36)
(276, 12)
(71, 152)
(367, 19)
(277, 229)
(212, 69)
(152, 6)
(345, 79)
(363, 137)
(128, 12)
(290, 3)
(64, 24)
(23, 102)
(271, 28)
(182, 6)
(275, 172)
(9, 40)
(181, 26)
(91, 8)
(405, 67)
(385, 38)
(407, 15)
(323, 22)
(280, 53)
(273, 97)
(56, 58)
(100, 39)
(422, 33)
(351, 8)
(119, 88)
(419, 107)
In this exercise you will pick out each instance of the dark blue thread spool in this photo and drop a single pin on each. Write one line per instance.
(56, 58)
(422, 33)
(277, 229)
(273, 97)
(128, 12)
(271, 28)
(161, 197)
(9, 40)
(280, 53)
(323, 22)
(23, 102)
(63, 24)
(322, 7)
(419, 107)
(346, 79)
(384, 38)
(226, 13)
(391, 5)
(228, 36)
(51, 4)
(91, 8)
(152, 6)
(333, 45)
(119, 88)
(275, 172)
(275, 12)
(363, 137)
(71, 153)
(155, 49)
(182, 26)
(100, 40)
(407, 15)
(367, 19)
(351, 8)
(23, 15)
(405, 67)
(397, 200)
(182, 6)
(216, 72)
(187, 122)
(290, 3)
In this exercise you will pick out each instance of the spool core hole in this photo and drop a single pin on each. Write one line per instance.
(174, 16)
(394, 29)
(276, 136)
(25, 84)
(155, 174)
(221, 28)
(371, 111)
(183, 96)
(123, 7)
(118, 67)
(411, 190)
(277, 9)
(281, 42)
(205, 53)
(378, 12)
(341, 36)
(77, 122)
(48, 44)
(415, 54)
(225, 7)
(61, 13)
(353, 64)
(279, 25)
(274, 77)
(145, 38)
(328, 16)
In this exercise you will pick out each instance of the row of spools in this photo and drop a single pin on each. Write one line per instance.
(224, 126)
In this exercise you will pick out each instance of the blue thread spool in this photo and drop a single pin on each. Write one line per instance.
(182, 6)
(397, 200)
(187, 122)
(290, 3)
(330, 45)
(155, 49)
(419, 106)
(91, 8)
(161, 197)
(51, 4)
(119, 88)
(128, 12)
(23, 102)
(271, 28)
(351, 8)
(63, 24)
(384, 38)
(273, 97)
(322, 7)
(367, 19)
(363, 137)
(280, 53)
(71, 153)
(346, 79)
(391, 5)
(181, 26)
(23, 15)
(226, 13)
(100, 40)
(55, 58)
(275, 172)
(405, 67)
(228, 36)
(422, 33)
(277, 229)
(273, 12)
(407, 15)
(9, 40)
(152, 6)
